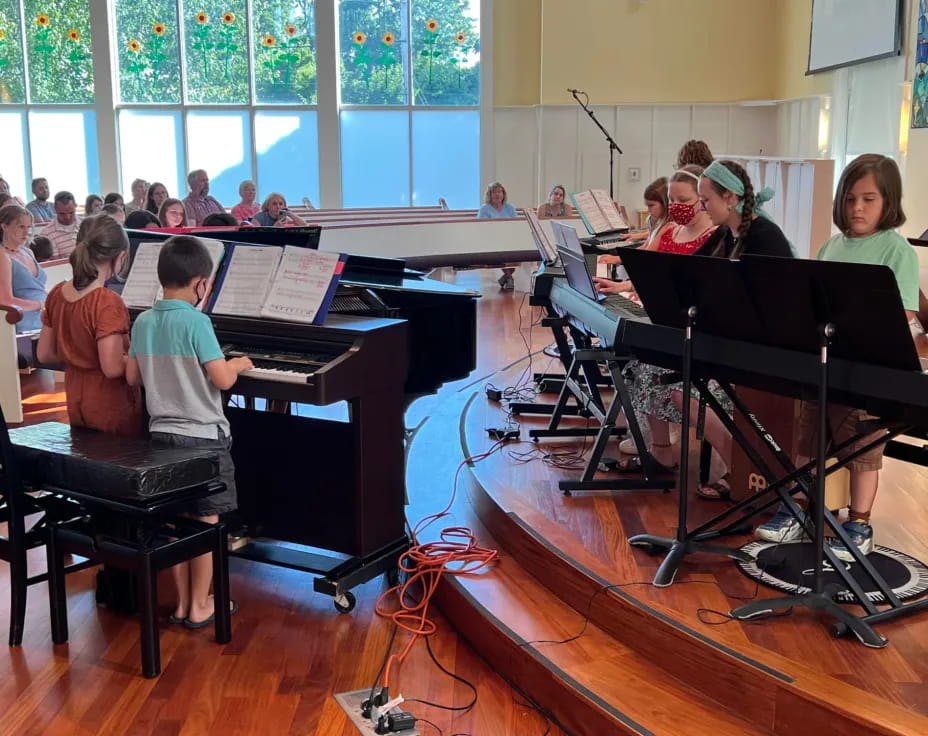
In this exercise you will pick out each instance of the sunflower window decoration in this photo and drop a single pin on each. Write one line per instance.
(227, 44)
(430, 43)
(43, 41)
(282, 55)
(387, 57)
(459, 57)
(4, 60)
(362, 56)
(155, 50)
(76, 52)
(201, 40)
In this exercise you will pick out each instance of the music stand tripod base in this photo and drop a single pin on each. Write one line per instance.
(677, 551)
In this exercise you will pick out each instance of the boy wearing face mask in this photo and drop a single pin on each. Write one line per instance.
(86, 327)
(175, 355)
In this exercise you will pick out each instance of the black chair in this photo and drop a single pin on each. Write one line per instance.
(130, 494)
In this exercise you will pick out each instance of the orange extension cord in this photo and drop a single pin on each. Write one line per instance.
(457, 553)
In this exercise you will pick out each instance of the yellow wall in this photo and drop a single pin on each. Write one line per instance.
(794, 22)
(655, 51)
(516, 52)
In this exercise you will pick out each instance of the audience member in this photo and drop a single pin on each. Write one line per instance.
(115, 211)
(142, 220)
(695, 153)
(22, 279)
(247, 206)
(93, 205)
(5, 189)
(115, 198)
(274, 213)
(42, 248)
(555, 206)
(139, 192)
(86, 327)
(5, 199)
(173, 213)
(217, 219)
(198, 203)
(157, 193)
(40, 207)
(175, 355)
(62, 231)
(495, 206)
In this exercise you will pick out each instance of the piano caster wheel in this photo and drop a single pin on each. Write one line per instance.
(838, 630)
(345, 602)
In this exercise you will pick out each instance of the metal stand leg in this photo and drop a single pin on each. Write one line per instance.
(821, 597)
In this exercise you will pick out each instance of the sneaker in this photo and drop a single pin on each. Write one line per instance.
(782, 528)
(860, 534)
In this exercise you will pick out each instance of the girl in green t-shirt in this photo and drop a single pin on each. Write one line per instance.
(867, 210)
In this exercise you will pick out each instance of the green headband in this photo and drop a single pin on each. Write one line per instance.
(722, 175)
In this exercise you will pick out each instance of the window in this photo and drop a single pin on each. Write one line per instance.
(220, 142)
(12, 87)
(386, 48)
(151, 148)
(284, 35)
(147, 51)
(287, 144)
(58, 49)
(67, 161)
(216, 51)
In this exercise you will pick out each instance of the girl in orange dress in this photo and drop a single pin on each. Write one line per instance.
(86, 327)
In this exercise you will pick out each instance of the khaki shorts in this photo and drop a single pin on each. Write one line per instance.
(842, 424)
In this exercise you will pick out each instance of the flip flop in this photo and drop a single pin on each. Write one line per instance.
(172, 619)
(720, 490)
(233, 609)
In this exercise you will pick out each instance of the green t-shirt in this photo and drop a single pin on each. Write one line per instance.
(883, 248)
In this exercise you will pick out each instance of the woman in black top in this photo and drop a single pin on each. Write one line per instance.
(728, 196)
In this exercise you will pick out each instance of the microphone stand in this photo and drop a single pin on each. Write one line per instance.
(613, 146)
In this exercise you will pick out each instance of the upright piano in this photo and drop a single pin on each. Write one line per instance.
(330, 484)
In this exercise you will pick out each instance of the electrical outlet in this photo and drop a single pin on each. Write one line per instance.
(634, 173)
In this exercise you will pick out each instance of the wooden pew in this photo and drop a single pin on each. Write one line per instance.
(11, 400)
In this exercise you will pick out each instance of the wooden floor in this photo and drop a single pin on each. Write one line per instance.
(291, 651)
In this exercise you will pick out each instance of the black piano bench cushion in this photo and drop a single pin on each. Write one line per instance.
(106, 465)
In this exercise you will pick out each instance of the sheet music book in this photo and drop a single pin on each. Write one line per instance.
(142, 287)
(597, 211)
(304, 285)
(545, 248)
(293, 284)
(246, 280)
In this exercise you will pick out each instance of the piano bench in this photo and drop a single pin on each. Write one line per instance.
(122, 499)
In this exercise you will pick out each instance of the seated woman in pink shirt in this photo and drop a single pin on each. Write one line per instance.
(248, 207)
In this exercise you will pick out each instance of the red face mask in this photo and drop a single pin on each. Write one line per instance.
(680, 213)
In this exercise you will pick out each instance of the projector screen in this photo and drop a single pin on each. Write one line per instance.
(846, 32)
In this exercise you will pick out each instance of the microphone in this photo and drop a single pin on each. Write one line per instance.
(576, 91)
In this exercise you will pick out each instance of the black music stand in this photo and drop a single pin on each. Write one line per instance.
(686, 293)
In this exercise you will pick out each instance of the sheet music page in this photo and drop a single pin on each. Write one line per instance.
(217, 251)
(300, 284)
(606, 205)
(548, 251)
(142, 288)
(247, 280)
(590, 211)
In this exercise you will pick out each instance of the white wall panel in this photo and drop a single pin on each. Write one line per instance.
(516, 162)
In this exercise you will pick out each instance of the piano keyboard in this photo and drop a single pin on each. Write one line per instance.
(279, 366)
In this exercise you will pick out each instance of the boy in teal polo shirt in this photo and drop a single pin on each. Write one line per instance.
(175, 355)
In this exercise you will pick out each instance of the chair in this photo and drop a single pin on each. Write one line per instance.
(130, 494)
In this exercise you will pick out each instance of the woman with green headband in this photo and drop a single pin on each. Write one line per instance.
(728, 196)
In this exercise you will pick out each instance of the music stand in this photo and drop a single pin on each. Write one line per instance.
(686, 292)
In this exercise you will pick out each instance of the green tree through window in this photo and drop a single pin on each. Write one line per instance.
(146, 46)
(58, 45)
(11, 54)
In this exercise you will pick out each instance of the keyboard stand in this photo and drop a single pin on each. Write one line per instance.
(587, 360)
(555, 382)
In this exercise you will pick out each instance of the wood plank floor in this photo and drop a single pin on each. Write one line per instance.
(290, 650)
